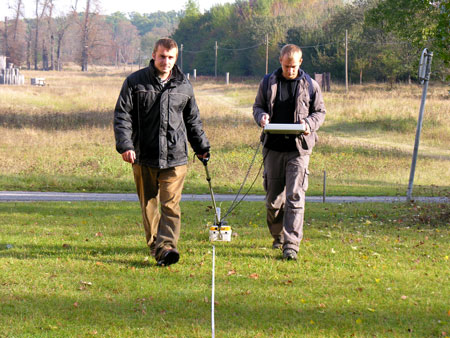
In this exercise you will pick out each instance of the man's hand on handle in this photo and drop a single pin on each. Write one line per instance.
(129, 156)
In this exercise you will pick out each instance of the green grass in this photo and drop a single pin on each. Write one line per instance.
(364, 270)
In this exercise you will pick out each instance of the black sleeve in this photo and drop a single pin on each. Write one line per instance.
(123, 119)
(196, 136)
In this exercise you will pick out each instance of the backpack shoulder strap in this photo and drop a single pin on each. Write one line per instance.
(266, 84)
(312, 94)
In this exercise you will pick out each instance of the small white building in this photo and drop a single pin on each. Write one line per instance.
(10, 74)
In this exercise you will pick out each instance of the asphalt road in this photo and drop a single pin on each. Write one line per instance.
(35, 196)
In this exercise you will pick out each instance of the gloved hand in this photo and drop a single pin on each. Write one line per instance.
(204, 158)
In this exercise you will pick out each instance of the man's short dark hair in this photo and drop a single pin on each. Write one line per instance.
(290, 50)
(167, 43)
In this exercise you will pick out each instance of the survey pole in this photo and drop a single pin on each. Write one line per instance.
(424, 77)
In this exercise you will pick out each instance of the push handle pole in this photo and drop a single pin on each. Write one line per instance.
(426, 77)
(208, 178)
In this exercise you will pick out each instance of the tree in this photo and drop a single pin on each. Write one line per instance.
(85, 38)
(62, 23)
(423, 23)
(39, 15)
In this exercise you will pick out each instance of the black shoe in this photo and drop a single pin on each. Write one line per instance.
(169, 257)
(290, 255)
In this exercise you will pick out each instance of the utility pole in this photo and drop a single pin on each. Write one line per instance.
(424, 77)
(346, 61)
(215, 63)
(181, 57)
(267, 53)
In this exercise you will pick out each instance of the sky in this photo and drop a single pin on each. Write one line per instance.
(110, 6)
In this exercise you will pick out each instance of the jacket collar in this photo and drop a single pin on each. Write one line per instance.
(279, 74)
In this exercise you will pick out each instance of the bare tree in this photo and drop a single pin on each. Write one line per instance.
(39, 14)
(62, 24)
(85, 38)
(5, 37)
(18, 9)
(46, 50)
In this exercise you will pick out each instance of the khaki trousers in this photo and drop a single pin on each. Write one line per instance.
(285, 182)
(160, 187)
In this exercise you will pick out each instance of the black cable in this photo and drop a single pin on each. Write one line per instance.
(233, 205)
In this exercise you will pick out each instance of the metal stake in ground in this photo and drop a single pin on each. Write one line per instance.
(424, 77)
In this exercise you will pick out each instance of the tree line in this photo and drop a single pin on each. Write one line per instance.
(82, 35)
(385, 37)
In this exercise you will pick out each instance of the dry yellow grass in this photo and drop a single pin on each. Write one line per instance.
(64, 130)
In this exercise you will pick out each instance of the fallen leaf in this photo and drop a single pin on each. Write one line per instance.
(75, 304)
(66, 246)
(370, 309)
(358, 321)
(322, 305)
(311, 321)
(404, 297)
(86, 283)
(231, 272)
(254, 276)
(98, 234)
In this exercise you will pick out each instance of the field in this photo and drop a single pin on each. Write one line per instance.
(83, 270)
(364, 270)
(59, 137)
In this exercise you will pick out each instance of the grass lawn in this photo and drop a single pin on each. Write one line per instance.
(364, 270)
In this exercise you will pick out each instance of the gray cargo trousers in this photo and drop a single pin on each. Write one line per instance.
(285, 183)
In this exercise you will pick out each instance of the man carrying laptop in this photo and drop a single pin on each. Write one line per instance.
(288, 96)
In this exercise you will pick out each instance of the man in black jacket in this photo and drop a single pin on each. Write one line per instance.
(154, 118)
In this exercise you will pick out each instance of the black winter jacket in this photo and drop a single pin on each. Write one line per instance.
(156, 122)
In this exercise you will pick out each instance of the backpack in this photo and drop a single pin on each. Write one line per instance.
(312, 94)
